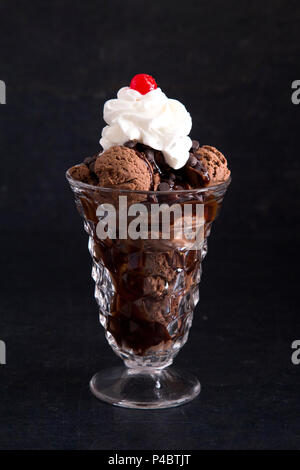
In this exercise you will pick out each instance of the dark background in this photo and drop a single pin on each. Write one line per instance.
(232, 64)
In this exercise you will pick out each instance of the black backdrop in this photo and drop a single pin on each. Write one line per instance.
(232, 64)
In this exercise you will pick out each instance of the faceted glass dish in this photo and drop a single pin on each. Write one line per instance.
(146, 290)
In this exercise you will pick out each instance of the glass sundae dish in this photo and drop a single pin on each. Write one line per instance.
(148, 201)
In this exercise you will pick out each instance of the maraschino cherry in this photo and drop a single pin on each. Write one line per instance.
(143, 83)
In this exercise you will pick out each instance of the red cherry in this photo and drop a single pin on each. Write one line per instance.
(143, 83)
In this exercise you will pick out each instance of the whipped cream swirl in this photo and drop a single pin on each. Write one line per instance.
(153, 119)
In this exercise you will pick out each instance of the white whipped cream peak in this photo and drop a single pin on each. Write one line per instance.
(153, 119)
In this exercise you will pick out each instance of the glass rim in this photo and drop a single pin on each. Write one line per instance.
(80, 184)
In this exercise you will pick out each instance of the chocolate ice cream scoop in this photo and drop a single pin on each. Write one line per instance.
(206, 167)
(215, 163)
(82, 173)
(123, 168)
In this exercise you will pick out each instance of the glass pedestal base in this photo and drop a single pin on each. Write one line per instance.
(145, 388)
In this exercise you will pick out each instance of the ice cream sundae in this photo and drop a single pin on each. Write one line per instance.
(147, 287)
